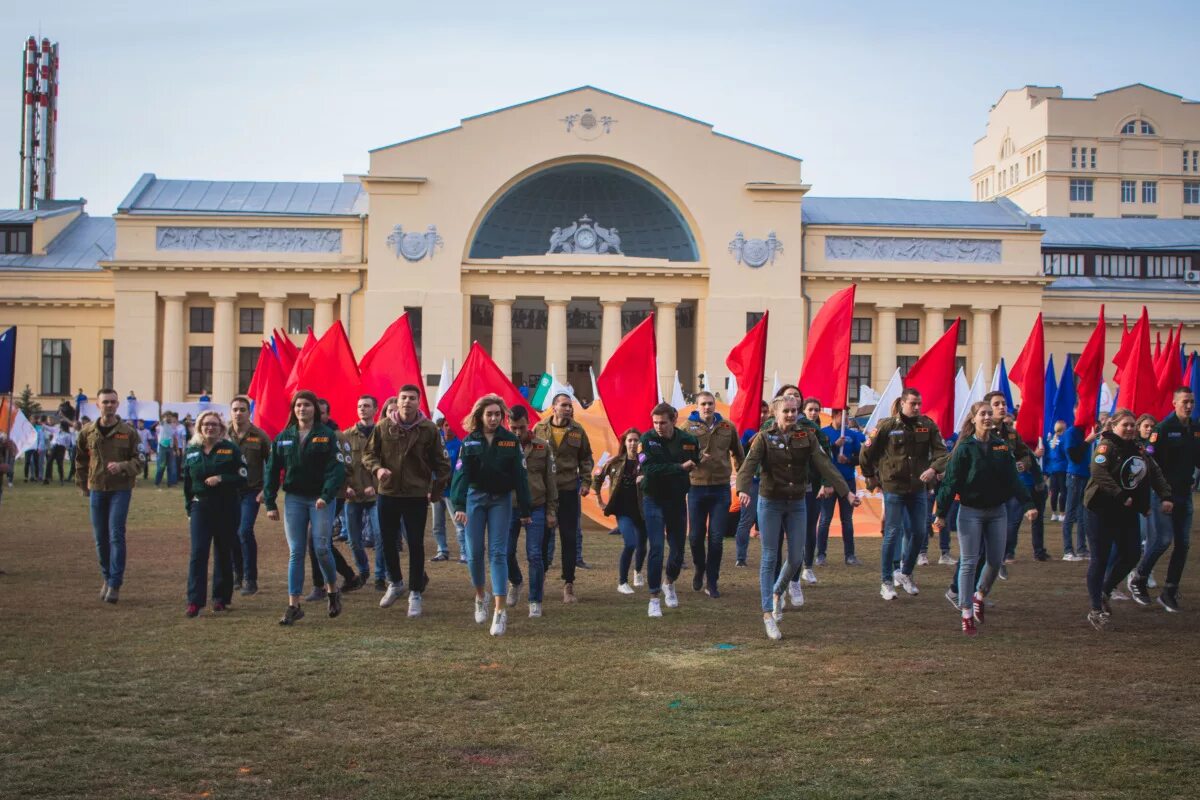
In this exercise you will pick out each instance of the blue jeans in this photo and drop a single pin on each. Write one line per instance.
(108, 512)
(981, 531)
(166, 461)
(845, 514)
(903, 528)
(1176, 527)
(747, 518)
(660, 521)
(633, 532)
(359, 517)
(490, 513)
(775, 517)
(245, 550)
(1075, 514)
(300, 514)
(708, 515)
(534, 532)
(212, 524)
(441, 510)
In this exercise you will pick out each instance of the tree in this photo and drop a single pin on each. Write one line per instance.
(28, 406)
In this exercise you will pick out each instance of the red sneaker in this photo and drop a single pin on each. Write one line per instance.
(977, 607)
(968, 626)
(218, 607)
(193, 610)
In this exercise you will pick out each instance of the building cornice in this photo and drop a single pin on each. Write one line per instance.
(219, 266)
(57, 302)
(559, 267)
(981, 280)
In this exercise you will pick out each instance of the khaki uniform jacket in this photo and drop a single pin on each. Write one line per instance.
(95, 451)
(612, 473)
(720, 443)
(256, 449)
(788, 460)
(358, 477)
(416, 456)
(572, 458)
(897, 452)
(540, 468)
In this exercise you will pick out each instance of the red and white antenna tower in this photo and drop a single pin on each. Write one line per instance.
(39, 119)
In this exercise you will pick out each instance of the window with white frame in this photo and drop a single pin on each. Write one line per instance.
(1062, 264)
(1149, 191)
(1092, 158)
(1191, 193)
(1082, 190)
(1137, 127)
(1118, 266)
(1167, 266)
(1128, 191)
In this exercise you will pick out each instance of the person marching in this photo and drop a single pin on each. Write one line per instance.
(350, 581)
(748, 512)
(491, 467)
(625, 503)
(543, 493)
(846, 445)
(255, 446)
(406, 455)
(789, 456)
(810, 410)
(904, 454)
(362, 508)
(308, 464)
(573, 461)
(108, 459)
(708, 497)
(1031, 475)
(1123, 475)
(1079, 458)
(1176, 443)
(213, 473)
(983, 474)
(668, 455)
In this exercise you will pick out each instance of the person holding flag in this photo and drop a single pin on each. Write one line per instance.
(573, 464)
(255, 446)
(847, 444)
(708, 498)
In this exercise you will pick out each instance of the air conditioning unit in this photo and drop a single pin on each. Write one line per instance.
(1192, 276)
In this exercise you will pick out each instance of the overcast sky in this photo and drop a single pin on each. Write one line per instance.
(880, 99)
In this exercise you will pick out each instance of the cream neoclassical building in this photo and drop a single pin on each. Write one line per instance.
(545, 231)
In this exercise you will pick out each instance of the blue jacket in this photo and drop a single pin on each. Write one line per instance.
(854, 443)
(452, 448)
(1078, 452)
(1055, 459)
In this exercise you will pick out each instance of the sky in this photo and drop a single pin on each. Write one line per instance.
(880, 99)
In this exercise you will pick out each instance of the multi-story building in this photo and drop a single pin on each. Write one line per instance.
(1128, 152)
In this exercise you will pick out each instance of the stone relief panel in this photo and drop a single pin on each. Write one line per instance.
(255, 240)
(894, 248)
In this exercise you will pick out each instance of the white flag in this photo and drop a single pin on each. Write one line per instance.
(1106, 399)
(775, 387)
(733, 389)
(677, 398)
(23, 435)
(867, 395)
(962, 401)
(883, 408)
(444, 382)
(595, 390)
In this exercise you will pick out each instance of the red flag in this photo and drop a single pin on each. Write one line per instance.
(1123, 351)
(1090, 372)
(747, 362)
(256, 379)
(628, 384)
(1029, 374)
(271, 403)
(391, 363)
(1169, 372)
(479, 376)
(826, 371)
(1139, 390)
(933, 377)
(331, 371)
(293, 375)
(285, 349)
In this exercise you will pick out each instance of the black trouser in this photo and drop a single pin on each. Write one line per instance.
(55, 457)
(1037, 528)
(213, 523)
(412, 513)
(343, 568)
(568, 528)
(1058, 492)
(1117, 526)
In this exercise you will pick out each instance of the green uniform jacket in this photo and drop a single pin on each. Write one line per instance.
(314, 467)
(1121, 469)
(496, 468)
(983, 474)
(572, 457)
(787, 461)
(540, 471)
(414, 453)
(1020, 451)
(225, 461)
(721, 443)
(665, 481)
(256, 448)
(900, 449)
(95, 451)
(1176, 448)
(358, 476)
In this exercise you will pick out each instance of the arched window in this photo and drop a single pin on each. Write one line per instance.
(1138, 127)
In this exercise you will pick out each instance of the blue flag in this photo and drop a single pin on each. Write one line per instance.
(1065, 398)
(1002, 385)
(1048, 403)
(8, 359)
(1193, 381)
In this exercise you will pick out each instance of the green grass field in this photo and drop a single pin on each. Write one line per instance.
(861, 698)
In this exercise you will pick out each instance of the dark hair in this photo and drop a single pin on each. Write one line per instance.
(764, 406)
(665, 409)
(968, 426)
(554, 400)
(517, 414)
(809, 400)
(409, 387)
(106, 390)
(321, 401)
(634, 431)
(1181, 390)
(987, 398)
(909, 391)
(787, 386)
(474, 420)
(370, 397)
(241, 398)
(303, 394)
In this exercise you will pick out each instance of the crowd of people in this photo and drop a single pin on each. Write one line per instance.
(1122, 491)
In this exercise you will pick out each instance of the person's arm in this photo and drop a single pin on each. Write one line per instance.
(1159, 481)
(83, 456)
(872, 449)
(1076, 447)
(524, 497)
(939, 456)
(1017, 487)
(552, 487)
(657, 461)
(1103, 478)
(829, 473)
(187, 487)
(736, 451)
(132, 466)
(461, 481)
(749, 467)
(586, 465)
(335, 473)
(952, 481)
(271, 477)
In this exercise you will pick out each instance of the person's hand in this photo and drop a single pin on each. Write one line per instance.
(841, 441)
(929, 475)
(688, 466)
(855, 500)
(273, 515)
(526, 520)
(460, 517)
(551, 521)
(321, 502)
(843, 460)
(258, 498)
(383, 474)
(584, 490)
(638, 480)
(938, 524)
(349, 492)
(1031, 514)
(871, 483)
(212, 480)
(824, 491)
(113, 468)
(1041, 450)
(1020, 467)
(743, 498)
(369, 491)
(1128, 502)
(1167, 506)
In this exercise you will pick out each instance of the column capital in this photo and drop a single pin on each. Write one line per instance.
(664, 302)
(172, 298)
(324, 298)
(557, 300)
(272, 298)
(887, 307)
(223, 298)
(984, 309)
(507, 299)
(612, 301)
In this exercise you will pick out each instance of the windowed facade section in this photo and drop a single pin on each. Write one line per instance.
(199, 369)
(1137, 127)
(905, 363)
(1167, 266)
(908, 331)
(250, 320)
(1191, 193)
(1083, 158)
(247, 361)
(962, 329)
(1191, 160)
(200, 320)
(1082, 190)
(1128, 191)
(860, 329)
(752, 319)
(860, 375)
(56, 366)
(1118, 266)
(1063, 264)
(106, 362)
(299, 320)
(15, 240)
(1149, 191)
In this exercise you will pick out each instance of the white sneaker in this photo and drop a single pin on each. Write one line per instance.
(896, 578)
(1150, 582)
(499, 623)
(624, 588)
(777, 607)
(906, 582)
(655, 609)
(796, 594)
(772, 628)
(480, 611)
(670, 596)
(638, 580)
(535, 610)
(1070, 557)
(808, 576)
(945, 560)
(414, 604)
(922, 560)
(886, 591)
(393, 593)
(514, 594)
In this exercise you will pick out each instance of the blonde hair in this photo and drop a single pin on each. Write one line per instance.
(474, 420)
(197, 436)
(783, 399)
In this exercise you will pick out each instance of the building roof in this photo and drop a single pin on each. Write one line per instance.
(1096, 233)
(1112, 285)
(80, 247)
(888, 212)
(17, 216)
(151, 195)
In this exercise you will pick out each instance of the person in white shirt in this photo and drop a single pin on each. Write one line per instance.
(59, 440)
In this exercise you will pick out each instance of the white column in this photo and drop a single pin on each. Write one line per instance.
(502, 333)
(981, 339)
(610, 330)
(273, 314)
(935, 320)
(556, 336)
(322, 314)
(224, 376)
(172, 352)
(886, 349)
(664, 334)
